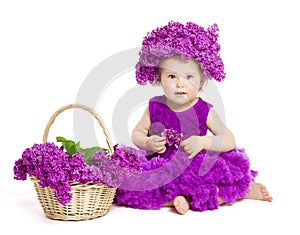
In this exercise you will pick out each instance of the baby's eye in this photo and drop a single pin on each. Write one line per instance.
(189, 77)
(172, 76)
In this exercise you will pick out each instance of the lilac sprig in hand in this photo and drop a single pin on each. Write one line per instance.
(173, 137)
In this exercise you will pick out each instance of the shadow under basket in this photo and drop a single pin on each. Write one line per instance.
(89, 200)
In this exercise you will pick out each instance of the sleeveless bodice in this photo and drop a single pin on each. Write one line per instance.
(189, 122)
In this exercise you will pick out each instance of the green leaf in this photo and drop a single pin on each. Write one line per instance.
(77, 147)
(71, 147)
(60, 139)
(88, 154)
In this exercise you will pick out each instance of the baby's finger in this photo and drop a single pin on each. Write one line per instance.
(189, 151)
(160, 145)
(183, 143)
(191, 155)
(158, 138)
(162, 150)
(162, 140)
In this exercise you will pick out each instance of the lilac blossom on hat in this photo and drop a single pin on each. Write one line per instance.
(190, 41)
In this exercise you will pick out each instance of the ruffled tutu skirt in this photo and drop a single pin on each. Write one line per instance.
(203, 179)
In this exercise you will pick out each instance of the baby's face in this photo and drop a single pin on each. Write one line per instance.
(180, 80)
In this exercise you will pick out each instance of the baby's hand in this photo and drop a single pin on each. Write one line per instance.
(156, 143)
(192, 145)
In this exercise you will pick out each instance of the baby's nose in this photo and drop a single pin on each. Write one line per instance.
(179, 82)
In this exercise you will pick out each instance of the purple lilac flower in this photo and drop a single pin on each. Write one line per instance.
(123, 163)
(56, 169)
(190, 41)
(172, 137)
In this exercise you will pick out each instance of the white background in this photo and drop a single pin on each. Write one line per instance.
(48, 48)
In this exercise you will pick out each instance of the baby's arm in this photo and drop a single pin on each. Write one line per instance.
(221, 141)
(141, 139)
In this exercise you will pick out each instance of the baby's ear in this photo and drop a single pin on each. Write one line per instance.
(203, 82)
(157, 81)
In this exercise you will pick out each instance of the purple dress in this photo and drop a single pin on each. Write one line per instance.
(202, 179)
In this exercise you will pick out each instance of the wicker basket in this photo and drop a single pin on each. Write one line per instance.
(89, 200)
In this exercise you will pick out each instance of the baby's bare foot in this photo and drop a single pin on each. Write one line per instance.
(181, 204)
(258, 192)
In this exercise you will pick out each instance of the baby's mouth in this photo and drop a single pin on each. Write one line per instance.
(180, 93)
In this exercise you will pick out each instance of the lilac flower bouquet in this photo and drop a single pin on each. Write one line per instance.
(172, 137)
(56, 168)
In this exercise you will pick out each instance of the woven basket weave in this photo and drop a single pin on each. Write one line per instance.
(89, 200)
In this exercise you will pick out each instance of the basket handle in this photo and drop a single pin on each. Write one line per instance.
(91, 111)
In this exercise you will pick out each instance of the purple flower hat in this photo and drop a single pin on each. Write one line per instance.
(190, 41)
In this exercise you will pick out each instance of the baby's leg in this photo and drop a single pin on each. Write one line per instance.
(258, 192)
